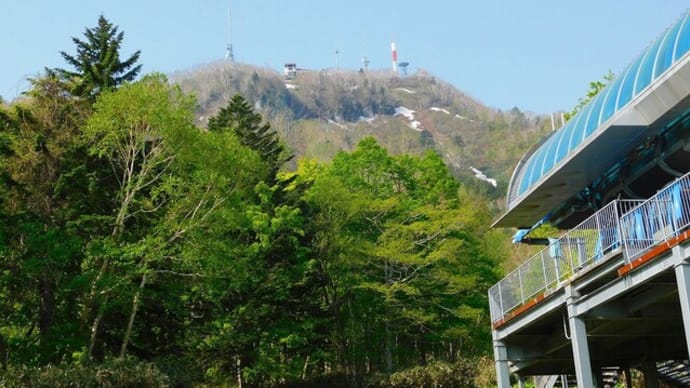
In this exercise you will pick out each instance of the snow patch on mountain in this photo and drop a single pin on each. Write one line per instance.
(409, 114)
(436, 109)
(408, 91)
(337, 124)
(457, 116)
(367, 119)
(481, 176)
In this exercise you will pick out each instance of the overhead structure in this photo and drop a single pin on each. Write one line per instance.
(394, 57)
(597, 155)
(229, 55)
(611, 293)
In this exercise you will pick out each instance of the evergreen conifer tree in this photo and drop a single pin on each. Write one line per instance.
(239, 117)
(97, 65)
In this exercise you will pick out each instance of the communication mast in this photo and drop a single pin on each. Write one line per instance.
(403, 67)
(365, 59)
(229, 55)
(394, 55)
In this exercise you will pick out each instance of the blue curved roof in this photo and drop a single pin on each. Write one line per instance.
(637, 76)
(650, 66)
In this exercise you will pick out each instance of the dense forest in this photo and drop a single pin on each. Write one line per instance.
(138, 248)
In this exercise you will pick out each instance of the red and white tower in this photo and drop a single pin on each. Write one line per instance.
(394, 56)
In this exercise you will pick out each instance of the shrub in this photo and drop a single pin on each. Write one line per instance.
(461, 373)
(112, 373)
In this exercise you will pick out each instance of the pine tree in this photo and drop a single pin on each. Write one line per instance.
(97, 65)
(240, 118)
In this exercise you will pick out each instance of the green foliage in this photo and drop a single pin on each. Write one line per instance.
(594, 88)
(460, 373)
(239, 118)
(397, 241)
(97, 65)
(113, 373)
(326, 112)
(150, 252)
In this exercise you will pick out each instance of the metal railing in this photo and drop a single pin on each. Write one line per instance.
(657, 219)
(574, 251)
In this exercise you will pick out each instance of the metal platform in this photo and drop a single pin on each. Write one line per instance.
(612, 292)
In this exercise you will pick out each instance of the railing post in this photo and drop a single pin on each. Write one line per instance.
(662, 223)
(597, 226)
(500, 300)
(543, 268)
(617, 223)
(625, 238)
(522, 290)
(558, 274)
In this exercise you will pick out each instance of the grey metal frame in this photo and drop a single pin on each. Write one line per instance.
(577, 250)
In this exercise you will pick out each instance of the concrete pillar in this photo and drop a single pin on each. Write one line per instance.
(683, 280)
(501, 360)
(578, 339)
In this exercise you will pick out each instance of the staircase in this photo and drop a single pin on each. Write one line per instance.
(610, 377)
(674, 373)
(556, 381)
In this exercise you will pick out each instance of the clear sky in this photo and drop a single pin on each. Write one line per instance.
(537, 55)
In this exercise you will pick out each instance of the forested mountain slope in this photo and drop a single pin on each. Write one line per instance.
(154, 236)
(320, 112)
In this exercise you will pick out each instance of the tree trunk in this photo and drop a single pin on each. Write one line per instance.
(388, 340)
(46, 314)
(132, 315)
(238, 370)
(94, 328)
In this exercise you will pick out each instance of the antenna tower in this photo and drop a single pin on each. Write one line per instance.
(228, 52)
(365, 59)
(394, 57)
(365, 62)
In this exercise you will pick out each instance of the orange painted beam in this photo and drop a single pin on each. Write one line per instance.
(519, 310)
(653, 253)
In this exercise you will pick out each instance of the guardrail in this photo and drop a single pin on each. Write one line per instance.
(574, 251)
(657, 219)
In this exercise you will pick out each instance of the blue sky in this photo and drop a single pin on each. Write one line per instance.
(537, 55)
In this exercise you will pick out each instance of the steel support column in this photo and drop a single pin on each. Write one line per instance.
(683, 280)
(501, 360)
(578, 338)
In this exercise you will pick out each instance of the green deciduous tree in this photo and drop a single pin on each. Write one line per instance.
(594, 89)
(401, 246)
(41, 149)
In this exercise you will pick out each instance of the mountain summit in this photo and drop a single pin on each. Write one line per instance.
(319, 112)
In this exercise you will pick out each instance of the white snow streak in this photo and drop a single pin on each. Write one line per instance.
(337, 123)
(408, 91)
(409, 114)
(481, 176)
(435, 109)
